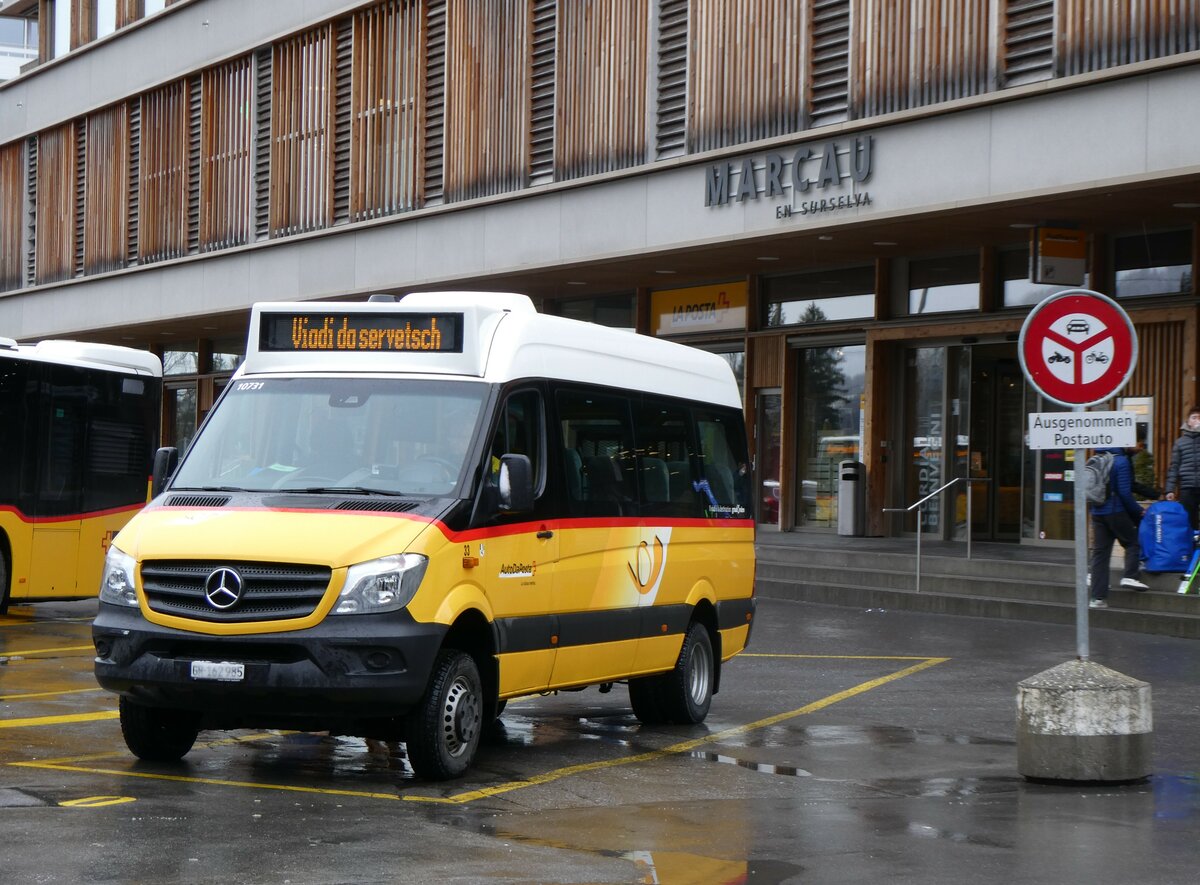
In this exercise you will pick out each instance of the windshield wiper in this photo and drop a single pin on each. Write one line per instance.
(208, 489)
(341, 490)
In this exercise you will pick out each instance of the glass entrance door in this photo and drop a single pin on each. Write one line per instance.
(832, 386)
(996, 441)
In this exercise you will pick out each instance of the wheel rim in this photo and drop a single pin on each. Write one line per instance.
(699, 672)
(461, 715)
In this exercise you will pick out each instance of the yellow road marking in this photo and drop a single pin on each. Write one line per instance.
(57, 720)
(97, 801)
(22, 653)
(47, 694)
(684, 746)
(548, 777)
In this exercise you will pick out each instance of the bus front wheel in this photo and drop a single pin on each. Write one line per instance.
(158, 735)
(444, 729)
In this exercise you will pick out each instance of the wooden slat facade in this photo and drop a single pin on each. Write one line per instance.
(55, 225)
(163, 185)
(410, 103)
(106, 190)
(744, 83)
(910, 53)
(387, 113)
(1159, 373)
(226, 161)
(302, 132)
(601, 86)
(1099, 34)
(12, 201)
(487, 103)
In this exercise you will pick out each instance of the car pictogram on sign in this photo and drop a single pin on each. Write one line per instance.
(1079, 327)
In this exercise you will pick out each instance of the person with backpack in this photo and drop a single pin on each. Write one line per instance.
(1183, 476)
(1114, 518)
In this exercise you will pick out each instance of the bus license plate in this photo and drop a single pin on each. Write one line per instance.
(222, 671)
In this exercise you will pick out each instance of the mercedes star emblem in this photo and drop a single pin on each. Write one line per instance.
(223, 588)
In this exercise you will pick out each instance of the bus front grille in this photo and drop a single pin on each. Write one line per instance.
(233, 592)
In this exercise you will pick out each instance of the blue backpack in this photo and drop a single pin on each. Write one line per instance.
(1165, 538)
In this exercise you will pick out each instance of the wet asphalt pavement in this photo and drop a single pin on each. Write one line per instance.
(846, 746)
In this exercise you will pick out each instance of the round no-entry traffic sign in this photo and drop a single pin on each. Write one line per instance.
(1078, 347)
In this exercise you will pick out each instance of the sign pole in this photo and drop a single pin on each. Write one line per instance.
(1081, 551)
(1081, 721)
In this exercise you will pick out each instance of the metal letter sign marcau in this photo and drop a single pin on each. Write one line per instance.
(1078, 348)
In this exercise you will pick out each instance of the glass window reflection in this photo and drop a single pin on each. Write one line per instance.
(938, 285)
(1153, 264)
(821, 297)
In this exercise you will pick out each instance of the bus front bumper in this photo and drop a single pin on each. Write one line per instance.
(345, 668)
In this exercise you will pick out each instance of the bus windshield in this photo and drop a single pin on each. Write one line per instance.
(344, 434)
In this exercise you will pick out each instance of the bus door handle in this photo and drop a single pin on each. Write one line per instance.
(545, 534)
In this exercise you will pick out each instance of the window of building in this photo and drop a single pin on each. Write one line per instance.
(62, 29)
(225, 162)
(938, 285)
(106, 17)
(55, 222)
(12, 192)
(616, 311)
(386, 74)
(153, 6)
(181, 362)
(163, 186)
(822, 297)
(1153, 264)
(1017, 289)
(302, 133)
(227, 354)
(106, 190)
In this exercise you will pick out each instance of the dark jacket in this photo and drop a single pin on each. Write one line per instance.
(1184, 471)
(1120, 488)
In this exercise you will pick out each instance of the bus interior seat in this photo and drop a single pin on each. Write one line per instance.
(603, 480)
(656, 481)
(720, 480)
(679, 478)
(574, 466)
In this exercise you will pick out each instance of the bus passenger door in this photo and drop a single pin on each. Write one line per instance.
(596, 593)
(62, 437)
(519, 553)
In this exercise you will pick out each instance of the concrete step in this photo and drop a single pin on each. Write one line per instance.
(931, 564)
(1128, 610)
(1061, 592)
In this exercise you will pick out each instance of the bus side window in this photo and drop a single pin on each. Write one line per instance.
(520, 432)
(724, 463)
(597, 428)
(666, 459)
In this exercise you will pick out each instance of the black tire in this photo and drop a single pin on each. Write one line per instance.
(444, 729)
(687, 690)
(4, 588)
(500, 705)
(644, 698)
(682, 696)
(158, 735)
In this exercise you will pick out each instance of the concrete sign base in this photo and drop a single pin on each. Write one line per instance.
(1081, 721)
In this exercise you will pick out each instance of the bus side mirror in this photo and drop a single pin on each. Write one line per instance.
(165, 461)
(516, 483)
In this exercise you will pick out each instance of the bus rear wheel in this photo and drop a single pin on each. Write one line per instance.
(444, 729)
(158, 735)
(683, 695)
(4, 588)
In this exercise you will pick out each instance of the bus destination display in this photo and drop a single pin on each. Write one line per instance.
(362, 333)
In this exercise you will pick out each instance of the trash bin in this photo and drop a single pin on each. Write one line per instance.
(852, 498)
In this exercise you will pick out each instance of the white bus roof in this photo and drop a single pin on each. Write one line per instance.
(85, 354)
(494, 336)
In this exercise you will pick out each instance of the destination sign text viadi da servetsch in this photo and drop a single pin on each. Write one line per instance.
(362, 333)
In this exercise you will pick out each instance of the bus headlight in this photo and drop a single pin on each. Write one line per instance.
(116, 584)
(381, 585)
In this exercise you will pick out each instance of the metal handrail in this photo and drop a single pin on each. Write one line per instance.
(918, 504)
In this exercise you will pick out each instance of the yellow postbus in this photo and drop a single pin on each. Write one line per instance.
(78, 430)
(401, 514)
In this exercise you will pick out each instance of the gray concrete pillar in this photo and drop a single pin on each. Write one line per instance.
(1081, 721)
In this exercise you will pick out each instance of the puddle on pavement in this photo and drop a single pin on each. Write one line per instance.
(779, 736)
(763, 767)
